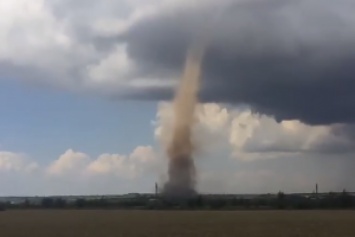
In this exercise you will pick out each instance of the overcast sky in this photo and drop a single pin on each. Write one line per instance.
(85, 89)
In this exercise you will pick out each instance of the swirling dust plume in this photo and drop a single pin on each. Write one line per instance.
(180, 149)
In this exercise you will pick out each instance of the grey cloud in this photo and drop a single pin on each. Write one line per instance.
(347, 131)
(80, 16)
(292, 60)
(288, 59)
(338, 145)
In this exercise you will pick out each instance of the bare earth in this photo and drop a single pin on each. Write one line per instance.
(178, 223)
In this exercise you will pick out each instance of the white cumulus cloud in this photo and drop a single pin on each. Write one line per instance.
(251, 136)
(142, 160)
(15, 162)
(70, 162)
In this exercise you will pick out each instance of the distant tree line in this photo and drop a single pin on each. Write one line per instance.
(280, 201)
(331, 200)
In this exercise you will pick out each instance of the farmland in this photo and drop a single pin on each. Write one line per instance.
(101, 223)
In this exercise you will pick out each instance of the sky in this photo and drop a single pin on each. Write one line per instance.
(85, 91)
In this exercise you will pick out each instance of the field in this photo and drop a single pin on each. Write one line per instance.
(180, 223)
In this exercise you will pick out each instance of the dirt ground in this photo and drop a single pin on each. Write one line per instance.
(177, 223)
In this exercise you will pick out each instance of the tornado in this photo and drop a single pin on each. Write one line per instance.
(180, 149)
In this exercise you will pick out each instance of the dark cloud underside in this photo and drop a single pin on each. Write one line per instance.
(292, 60)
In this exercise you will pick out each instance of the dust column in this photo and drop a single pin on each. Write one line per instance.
(180, 149)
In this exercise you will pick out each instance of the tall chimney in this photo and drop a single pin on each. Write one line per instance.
(156, 188)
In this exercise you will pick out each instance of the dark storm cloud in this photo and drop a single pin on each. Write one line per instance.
(289, 59)
(347, 133)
